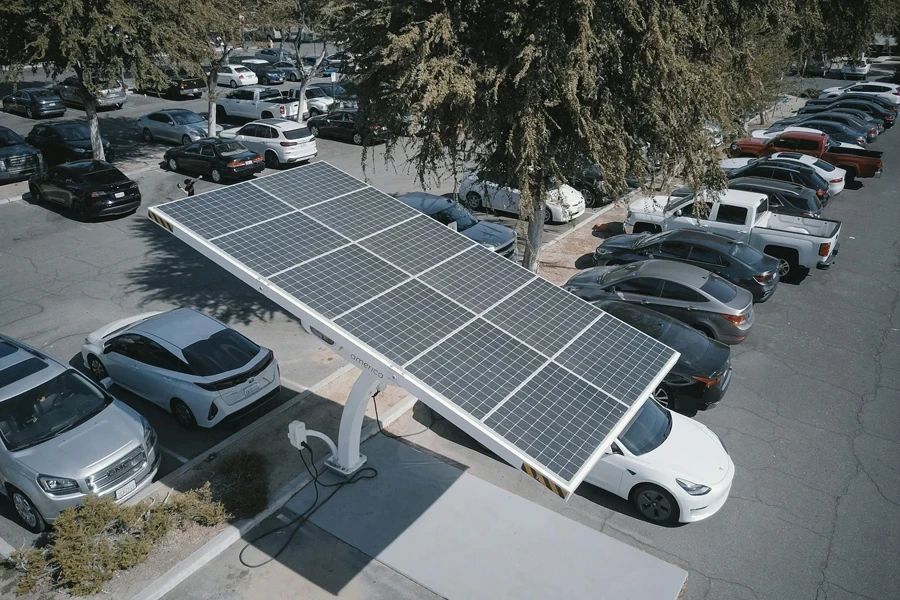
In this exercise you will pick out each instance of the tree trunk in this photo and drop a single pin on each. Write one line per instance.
(301, 98)
(90, 110)
(534, 239)
(211, 102)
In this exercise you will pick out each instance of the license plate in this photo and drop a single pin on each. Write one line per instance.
(251, 389)
(120, 194)
(126, 489)
(248, 162)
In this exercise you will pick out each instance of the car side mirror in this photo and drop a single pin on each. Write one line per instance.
(107, 383)
(110, 347)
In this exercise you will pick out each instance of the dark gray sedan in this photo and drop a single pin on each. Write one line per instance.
(708, 303)
(35, 103)
(497, 238)
(737, 262)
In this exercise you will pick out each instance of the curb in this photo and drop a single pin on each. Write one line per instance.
(626, 198)
(231, 534)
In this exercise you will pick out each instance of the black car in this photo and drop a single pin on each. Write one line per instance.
(851, 122)
(265, 72)
(590, 183)
(872, 98)
(341, 124)
(874, 109)
(838, 131)
(35, 103)
(89, 188)
(64, 142)
(18, 160)
(742, 265)
(179, 84)
(494, 237)
(218, 159)
(785, 198)
(700, 378)
(784, 170)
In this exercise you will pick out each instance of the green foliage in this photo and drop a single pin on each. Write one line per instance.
(90, 544)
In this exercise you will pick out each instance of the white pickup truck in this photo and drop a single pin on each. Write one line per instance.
(796, 241)
(256, 102)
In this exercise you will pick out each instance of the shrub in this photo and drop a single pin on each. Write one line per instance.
(243, 488)
(810, 92)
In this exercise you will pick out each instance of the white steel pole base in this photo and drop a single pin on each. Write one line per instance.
(348, 460)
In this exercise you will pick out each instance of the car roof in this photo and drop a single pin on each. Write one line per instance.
(795, 156)
(742, 198)
(255, 61)
(175, 111)
(768, 184)
(37, 89)
(284, 124)
(701, 237)
(428, 204)
(89, 166)
(180, 327)
(673, 271)
(14, 352)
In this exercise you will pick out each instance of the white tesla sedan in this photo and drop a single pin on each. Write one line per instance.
(186, 362)
(671, 468)
(476, 190)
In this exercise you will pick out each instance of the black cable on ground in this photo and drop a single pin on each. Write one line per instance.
(434, 419)
(364, 473)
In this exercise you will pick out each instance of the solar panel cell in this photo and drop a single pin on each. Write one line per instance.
(417, 244)
(226, 209)
(361, 213)
(310, 185)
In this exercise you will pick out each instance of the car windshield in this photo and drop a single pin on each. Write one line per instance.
(223, 351)
(8, 137)
(720, 289)
(652, 239)
(457, 214)
(187, 118)
(821, 164)
(648, 429)
(43, 94)
(241, 70)
(46, 411)
(270, 94)
(297, 134)
(618, 272)
(72, 132)
(746, 254)
(105, 177)
(314, 93)
(230, 148)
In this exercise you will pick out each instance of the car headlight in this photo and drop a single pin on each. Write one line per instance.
(58, 486)
(694, 489)
(149, 434)
(734, 145)
(2, 165)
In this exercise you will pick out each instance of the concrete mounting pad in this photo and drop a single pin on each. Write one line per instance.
(464, 538)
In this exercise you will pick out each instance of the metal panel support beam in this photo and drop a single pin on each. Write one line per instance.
(348, 459)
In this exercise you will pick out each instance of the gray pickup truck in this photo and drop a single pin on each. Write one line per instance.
(18, 159)
(745, 216)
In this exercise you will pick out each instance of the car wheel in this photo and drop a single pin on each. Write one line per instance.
(216, 175)
(98, 371)
(35, 192)
(293, 77)
(183, 414)
(472, 201)
(79, 210)
(148, 135)
(705, 331)
(233, 83)
(221, 114)
(185, 140)
(29, 113)
(784, 268)
(28, 513)
(548, 216)
(663, 395)
(272, 160)
(173, 164)
(314, 111)
(358, 139)
(314, 130)
(850, 176)
(655, 504)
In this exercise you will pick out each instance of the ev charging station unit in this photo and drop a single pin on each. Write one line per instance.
(540, 377)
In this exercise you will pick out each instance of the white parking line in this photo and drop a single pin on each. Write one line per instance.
(174, 455)
(5, 548)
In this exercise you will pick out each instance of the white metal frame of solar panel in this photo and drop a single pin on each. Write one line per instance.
(539, 376)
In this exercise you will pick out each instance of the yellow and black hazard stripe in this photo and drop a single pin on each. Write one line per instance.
(160, 221)
(545, 481)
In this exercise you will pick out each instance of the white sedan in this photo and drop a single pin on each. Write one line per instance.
(836, 177)
(888, 91)
(186, 362)
(235, 76)
(278, 141)
(562, 204)
(671, 468)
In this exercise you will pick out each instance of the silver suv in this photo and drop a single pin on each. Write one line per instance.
(63, 437)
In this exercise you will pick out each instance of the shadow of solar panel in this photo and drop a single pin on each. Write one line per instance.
(275, 245)
(558, 419)
(225, 210)
(309, 184)
(361, 213)
(417, 244)
(477, 278)
(617, 358)
(405, 321)
(476, 367)
(336, 282)
(543, 315)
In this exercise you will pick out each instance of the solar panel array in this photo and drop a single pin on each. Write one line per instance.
(525, 361)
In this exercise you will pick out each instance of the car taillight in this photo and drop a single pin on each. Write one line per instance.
(889, 117)
(765, 278)
(281, 110)
(824, 249)
(872, 132)
(98, 194)
(213, 411)
(181, 84)
(240, 76)
(860, 141)
(707, 380)
(288, 144)
(810, 215)
(820, 193)
(215, 386)
(736, 319)
(836, 180)
(236, 163)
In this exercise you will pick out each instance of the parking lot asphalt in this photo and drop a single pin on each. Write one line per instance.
(61, 279)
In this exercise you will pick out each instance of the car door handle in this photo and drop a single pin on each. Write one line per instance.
(643, 302)
(742, 231)
(692, 308)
